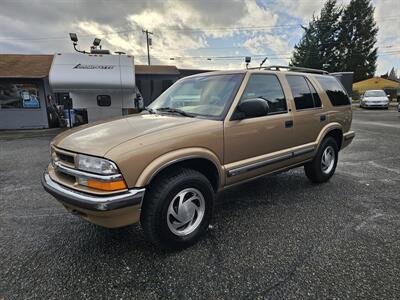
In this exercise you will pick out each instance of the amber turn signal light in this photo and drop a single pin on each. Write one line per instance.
(106, 186)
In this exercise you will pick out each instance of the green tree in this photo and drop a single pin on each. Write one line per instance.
(318, 46)
(357, 39)
(306, 51)
(392, 75)
(340, 39)
(328, 29)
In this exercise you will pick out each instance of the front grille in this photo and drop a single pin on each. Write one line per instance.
(65, 158)
(66, 177)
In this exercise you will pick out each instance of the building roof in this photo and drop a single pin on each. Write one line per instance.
(38, 66)
(24, 66)
(156, 70)
(375, 83)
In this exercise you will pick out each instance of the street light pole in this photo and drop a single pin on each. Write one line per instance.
(148, 40)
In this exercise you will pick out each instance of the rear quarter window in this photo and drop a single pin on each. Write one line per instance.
(335, 91)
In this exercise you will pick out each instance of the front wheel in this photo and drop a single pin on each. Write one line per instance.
(177, 209)
(323, 166)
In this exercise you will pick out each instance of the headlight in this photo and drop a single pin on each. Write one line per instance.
(95, 165)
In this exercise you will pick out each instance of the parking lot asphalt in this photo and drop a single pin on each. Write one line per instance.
(276, 237)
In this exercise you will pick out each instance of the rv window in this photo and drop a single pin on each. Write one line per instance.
(103, 100)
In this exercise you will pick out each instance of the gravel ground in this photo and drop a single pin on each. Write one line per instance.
(276, 237)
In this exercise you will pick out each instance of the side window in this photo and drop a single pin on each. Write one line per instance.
(103, 100)
(334, 90)
(268, 88)
(317, 99)
(301, 92)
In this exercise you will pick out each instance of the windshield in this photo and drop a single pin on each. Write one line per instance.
(375, 94)
(208, 96)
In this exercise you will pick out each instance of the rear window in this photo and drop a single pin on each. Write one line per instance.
(335, 91)
(375, 94)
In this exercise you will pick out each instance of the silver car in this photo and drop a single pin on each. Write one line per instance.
(374, 98)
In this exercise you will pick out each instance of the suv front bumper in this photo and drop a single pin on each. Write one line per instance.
(114, 210)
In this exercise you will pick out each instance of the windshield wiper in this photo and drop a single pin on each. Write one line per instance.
(175, 110)
(150, 110)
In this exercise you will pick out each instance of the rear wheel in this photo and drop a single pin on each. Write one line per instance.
(177, 208)
(323, 166)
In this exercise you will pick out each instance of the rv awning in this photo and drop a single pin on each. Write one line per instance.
(24, 66)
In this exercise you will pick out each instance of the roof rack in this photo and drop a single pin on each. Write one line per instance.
(289, 68)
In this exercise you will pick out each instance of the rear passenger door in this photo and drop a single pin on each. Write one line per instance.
(308, 116)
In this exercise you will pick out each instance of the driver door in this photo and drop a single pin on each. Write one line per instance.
(254, 146)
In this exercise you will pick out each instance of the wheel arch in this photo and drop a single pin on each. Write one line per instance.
(335, 130)
(199, 159)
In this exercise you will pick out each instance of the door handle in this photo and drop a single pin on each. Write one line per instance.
(289, 124)
(322, 118)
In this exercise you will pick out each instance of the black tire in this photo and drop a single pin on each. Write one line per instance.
(155, 209)
(314, 170)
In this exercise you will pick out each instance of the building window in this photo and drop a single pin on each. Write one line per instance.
(103, 100)
(19, 95)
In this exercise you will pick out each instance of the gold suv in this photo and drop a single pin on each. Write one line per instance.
(208, 132)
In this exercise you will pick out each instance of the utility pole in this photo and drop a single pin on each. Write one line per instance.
(148, 44)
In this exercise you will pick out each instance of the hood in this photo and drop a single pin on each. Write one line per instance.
(99, 137)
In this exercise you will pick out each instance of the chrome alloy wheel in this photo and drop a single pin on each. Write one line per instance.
(328, 160)
(186, 211)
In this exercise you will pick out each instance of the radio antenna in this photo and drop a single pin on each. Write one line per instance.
(264, 60)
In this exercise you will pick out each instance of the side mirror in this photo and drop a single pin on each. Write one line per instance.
(252, 108)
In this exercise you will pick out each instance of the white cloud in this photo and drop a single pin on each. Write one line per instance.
(299, 9)
(259, 44)
(119, 23)
(388, 35)
(172, 24)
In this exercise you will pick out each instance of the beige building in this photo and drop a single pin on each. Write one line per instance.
(377, 83)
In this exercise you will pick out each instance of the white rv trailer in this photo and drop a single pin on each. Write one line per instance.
(103, 85)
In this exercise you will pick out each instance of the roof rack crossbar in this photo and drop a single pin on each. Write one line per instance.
(299, 69)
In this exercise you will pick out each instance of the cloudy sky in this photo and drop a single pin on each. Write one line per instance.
(189, 33)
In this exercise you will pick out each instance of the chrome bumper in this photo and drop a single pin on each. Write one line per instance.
(349, 135)
(378, 104)
(92, 202)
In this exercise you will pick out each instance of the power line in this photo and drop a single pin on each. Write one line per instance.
(248, 28)
(174, 28)
(240, 57)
